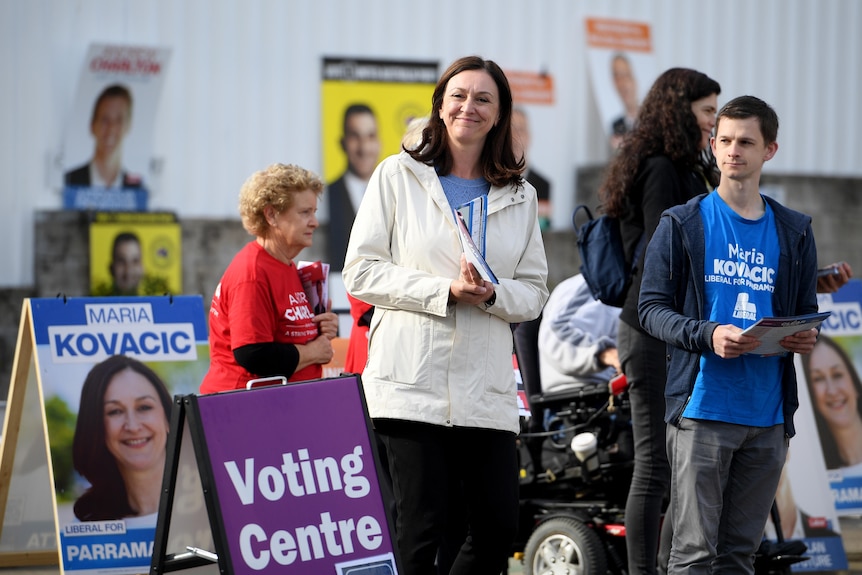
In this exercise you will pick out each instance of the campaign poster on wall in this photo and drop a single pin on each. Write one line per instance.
(366, 109)
(804, 501)
(108, 369)
(298, 490)
(134, 253)
(830, 375)
(108, 143)
(622, 70)
(533, 89)
(396, 92)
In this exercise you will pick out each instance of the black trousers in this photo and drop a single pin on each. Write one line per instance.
(456, 491)
(644, 362)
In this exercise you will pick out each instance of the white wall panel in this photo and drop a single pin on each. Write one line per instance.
(242, 89)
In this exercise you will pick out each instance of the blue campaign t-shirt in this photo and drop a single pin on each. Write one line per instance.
(740, 269)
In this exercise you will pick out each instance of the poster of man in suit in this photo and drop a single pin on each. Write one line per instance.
(133, 253)
(366, 107)
(107, 149)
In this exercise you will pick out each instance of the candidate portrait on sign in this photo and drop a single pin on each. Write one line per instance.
(110, 123)
(121, 440)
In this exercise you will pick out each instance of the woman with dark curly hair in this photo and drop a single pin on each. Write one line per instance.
(663, 162)
(836, 394)
(120, 440)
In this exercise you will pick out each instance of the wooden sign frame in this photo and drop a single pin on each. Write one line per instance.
(22, 368)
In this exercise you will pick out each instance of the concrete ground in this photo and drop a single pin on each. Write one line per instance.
(851, 532)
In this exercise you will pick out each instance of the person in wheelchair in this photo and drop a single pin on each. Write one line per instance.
(567, 359)
(569, 350)
(577, 351)
(566, 362)
(577, 339)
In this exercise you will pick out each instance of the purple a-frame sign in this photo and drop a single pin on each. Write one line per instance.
(293, 476)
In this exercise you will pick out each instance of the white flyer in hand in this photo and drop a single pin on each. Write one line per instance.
(474, 256)
(771, 330)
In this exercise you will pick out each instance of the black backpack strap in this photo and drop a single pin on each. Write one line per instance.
(578, 209)
(639, 249)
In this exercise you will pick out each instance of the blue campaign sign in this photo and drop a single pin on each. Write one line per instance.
(90, 329)
(108, 368)
(832, 374)
(106, 200)
(820, 482)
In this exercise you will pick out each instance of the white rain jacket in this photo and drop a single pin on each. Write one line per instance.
(430, 361)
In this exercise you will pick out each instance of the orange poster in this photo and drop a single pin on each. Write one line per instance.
(622, 67)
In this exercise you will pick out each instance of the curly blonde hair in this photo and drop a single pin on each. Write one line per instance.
(275, 186)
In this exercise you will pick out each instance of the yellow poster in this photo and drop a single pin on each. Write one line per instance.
(396, 91)
(135, 253)
(365, 109)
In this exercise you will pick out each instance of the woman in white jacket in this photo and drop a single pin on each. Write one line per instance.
(439, 381)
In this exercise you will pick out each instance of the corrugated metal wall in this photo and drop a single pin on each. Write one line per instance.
(243, 85)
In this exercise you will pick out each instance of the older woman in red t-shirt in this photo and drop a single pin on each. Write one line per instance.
(261, 322)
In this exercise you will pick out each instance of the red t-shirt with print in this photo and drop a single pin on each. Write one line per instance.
(258, 300)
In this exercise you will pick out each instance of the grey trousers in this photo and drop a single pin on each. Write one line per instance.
(723, 482)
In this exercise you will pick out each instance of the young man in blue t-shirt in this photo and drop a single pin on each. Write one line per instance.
(714, 267)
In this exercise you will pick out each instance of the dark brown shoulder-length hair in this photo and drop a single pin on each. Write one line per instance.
(499, 164)
(827, 439)
(665, 126)
(106, 498)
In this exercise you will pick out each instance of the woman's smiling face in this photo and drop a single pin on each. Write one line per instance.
(136, 425)
(471, 106)
(834, 394)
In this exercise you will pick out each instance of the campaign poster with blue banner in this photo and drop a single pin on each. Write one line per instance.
(107, 158)
(831, 372)
(803, 497)
(109, 368)
(294, 475)
(822, 479)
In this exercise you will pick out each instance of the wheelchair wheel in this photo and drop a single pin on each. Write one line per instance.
(564, 545)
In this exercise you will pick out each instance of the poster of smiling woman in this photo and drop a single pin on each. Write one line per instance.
(832, 375)
(106, 370)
